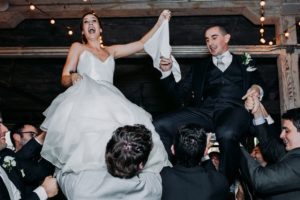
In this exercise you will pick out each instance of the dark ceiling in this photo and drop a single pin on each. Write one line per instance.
(185, 30)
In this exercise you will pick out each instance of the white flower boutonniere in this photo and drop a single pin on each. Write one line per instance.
(247, 60)
(8, 163)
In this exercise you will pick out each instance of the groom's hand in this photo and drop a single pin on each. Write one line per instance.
(165, 64)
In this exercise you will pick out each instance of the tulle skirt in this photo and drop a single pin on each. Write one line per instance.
(80, 121)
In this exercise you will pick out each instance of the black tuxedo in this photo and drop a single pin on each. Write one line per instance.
(193, 183)
(217, 106)
(279, 180)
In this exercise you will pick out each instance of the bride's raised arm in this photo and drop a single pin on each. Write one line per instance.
(124, 50)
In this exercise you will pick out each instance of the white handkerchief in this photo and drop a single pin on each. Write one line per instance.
(158, 45)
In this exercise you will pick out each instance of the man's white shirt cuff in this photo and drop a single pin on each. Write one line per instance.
(41, 192)
(165, 74)
(259, 121)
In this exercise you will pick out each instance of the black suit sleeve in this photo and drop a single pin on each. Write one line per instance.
(179, 91)
(273, 179)
(32, 196)
(35, 167)
(30, 150)
(271, 146)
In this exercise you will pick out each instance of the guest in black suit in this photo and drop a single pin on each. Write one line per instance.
(280, 180)
(14, 174)
(188, 179)
(217, 86)
(28, 144)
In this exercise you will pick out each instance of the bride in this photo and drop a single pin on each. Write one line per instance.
(80, 121)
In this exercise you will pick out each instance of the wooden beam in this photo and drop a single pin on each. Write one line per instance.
(178, 51)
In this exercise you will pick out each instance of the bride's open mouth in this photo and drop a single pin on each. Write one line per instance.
(91, 30)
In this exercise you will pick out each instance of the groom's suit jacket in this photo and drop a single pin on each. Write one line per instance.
(196, 78)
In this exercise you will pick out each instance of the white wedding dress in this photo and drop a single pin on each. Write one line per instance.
(79, 123)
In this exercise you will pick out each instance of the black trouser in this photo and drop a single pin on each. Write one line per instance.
(229, 124)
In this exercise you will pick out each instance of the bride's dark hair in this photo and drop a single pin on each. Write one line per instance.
(84, 40)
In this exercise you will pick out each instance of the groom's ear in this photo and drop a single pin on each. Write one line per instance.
(141, 166)
(227, 38)
(173, 149)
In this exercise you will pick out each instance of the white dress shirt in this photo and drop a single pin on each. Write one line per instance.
(226, 59)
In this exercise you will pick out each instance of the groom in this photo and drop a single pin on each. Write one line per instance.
(218, 85)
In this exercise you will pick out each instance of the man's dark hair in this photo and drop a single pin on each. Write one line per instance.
(221, 27)
(17, 129)
(128, 147)
(294, 116)
(189, 145)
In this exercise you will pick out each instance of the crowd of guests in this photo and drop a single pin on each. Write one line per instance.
(194, 174)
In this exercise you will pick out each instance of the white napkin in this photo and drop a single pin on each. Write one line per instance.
(158, 45)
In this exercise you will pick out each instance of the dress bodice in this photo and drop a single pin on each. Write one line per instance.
(93, 67)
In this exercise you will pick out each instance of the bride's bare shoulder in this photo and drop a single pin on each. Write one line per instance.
(77, 48)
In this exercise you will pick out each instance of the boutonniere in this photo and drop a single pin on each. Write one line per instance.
(8, 163)
(247, 60)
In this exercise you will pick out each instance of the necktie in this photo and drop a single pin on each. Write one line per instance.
(220, 63)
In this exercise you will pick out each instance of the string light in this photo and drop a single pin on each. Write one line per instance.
(262, 30)
(31, 6)
(52, 21)
(286, 34)
(262, 3)
(262, 19)
(262, 40)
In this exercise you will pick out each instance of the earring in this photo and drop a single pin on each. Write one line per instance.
(100, 41)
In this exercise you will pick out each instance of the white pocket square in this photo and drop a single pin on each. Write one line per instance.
(251, 69)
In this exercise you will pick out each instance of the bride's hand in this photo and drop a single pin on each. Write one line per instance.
(166, 14)
(75, 77)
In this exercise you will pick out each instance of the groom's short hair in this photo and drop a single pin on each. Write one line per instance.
(128, 147)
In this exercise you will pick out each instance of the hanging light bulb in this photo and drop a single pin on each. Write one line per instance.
(262, 3)
(70, 32)
(262, 40)
(31, 6)
(299, 23)
(271, 43)
(262, 18)
(262, 30)
(84, 0)
(286, 34)
(52, 21)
